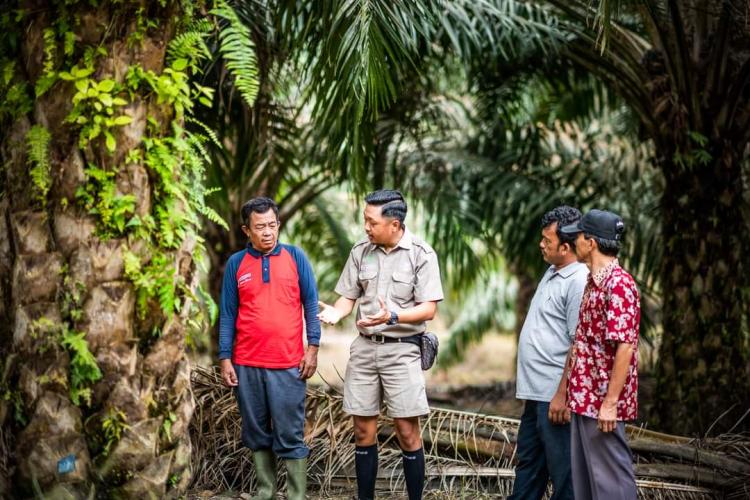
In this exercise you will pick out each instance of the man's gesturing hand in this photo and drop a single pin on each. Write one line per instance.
(380, 317)
(328, 314)
(228, 375)
(309, 362)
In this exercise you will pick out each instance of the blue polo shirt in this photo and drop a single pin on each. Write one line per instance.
(548, 331)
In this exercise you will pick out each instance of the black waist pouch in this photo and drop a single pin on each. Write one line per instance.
(429, 348)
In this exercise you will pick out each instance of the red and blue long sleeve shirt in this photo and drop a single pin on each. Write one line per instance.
(263, 300)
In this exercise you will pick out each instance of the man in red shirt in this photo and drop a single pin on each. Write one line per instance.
(603, 367)
(268, 287)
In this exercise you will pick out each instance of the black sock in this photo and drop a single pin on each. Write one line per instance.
(366, 463)
(414, 472)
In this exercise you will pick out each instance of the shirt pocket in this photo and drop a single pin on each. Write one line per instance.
(290, 293)
(367, 279)
(402, 288)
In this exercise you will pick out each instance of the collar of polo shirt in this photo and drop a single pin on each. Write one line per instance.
(255, 253)
(567, 271)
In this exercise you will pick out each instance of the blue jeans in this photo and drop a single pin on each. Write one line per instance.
(272, 406)
(543, 450)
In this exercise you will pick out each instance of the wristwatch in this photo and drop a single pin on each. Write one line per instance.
(393, 320)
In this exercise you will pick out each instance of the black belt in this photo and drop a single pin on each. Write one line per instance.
(382, 339)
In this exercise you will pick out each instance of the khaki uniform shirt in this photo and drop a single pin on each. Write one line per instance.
(404, 277)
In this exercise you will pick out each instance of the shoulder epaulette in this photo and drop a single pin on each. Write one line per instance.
(361, 242)
(416, 240)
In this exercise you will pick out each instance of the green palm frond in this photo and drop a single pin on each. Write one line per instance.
(605, 17)
(565, 164)
(603, 22)
(322, 231)
(497, 29)
(364, 63)
(238, 50)
(456, 230)
(358, 55)
(369, 43)
(257, 159)
(488, 306)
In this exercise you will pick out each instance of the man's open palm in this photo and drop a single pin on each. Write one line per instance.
(328, 314)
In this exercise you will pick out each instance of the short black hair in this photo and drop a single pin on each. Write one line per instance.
(392, 203)
(563, 215)
(259, 205)
(608, 247)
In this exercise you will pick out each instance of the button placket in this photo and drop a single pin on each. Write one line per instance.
(265, 265)
(378, 280)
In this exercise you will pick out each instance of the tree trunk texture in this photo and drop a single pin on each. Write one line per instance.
(698, 114)
(703, 368)
(52, 261)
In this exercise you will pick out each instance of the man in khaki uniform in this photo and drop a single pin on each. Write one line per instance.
(395, 277)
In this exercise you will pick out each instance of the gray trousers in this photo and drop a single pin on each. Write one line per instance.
(601, 463)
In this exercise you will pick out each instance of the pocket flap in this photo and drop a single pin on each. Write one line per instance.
(402, 277)
(367, 275)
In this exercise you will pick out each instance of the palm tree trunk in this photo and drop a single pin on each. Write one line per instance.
(129, 438)
(703, 369)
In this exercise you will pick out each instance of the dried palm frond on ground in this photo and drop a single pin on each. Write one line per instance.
(467, 454)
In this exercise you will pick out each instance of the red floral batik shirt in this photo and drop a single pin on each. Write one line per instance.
(610, 314)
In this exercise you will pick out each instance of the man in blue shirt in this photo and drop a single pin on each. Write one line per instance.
(548, 331)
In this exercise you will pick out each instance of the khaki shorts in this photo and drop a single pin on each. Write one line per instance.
(389, 372)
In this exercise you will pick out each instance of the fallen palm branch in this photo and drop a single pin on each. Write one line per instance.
(465, 452)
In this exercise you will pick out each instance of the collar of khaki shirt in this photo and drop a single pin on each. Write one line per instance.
(406, 241)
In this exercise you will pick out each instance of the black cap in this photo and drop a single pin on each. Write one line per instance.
(599, 223)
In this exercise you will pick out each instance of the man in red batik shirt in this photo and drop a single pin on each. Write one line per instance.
(603, 368)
